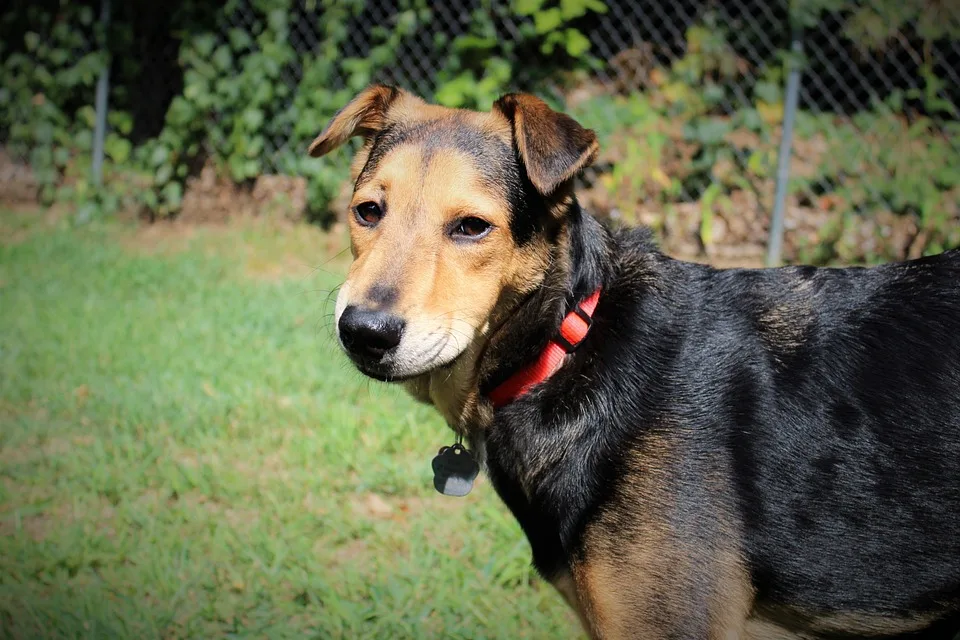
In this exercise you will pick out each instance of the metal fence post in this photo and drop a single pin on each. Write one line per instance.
(775, 242)
(103, 83)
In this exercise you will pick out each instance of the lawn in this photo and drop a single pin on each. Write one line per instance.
(185, 453)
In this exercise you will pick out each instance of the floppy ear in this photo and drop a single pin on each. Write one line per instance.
(552, 145)
(363, 116)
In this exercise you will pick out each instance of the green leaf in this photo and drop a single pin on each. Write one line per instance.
(31, 40)
(61, 156)
(252, 118)
(713, 93)
(172, 193)
(406, 22)
(117, 148)
(768, 92)
(577, 44)
(546, 21)
(255, 146)
(710, 196)
(59, 56)
(159, 156)
(87, 115)
(453, 92)
(121, 121)
(43, 133)
(277, 20)
(222, 58)
(164, 173)
(473, 42)
(239, 39)
(527, 7)
(597, 6)
(710, 131)
(204, 44)
(236, 167)
(150, 199)
(573, 8)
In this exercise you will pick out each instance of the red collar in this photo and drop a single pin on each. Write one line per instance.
(573, 330)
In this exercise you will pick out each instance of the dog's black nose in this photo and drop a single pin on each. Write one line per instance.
(365, 332)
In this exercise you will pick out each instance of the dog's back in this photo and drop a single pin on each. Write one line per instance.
(837, 392)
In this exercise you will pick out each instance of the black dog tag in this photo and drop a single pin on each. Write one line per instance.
(454, 471)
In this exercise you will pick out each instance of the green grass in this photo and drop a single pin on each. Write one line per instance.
(185, 453)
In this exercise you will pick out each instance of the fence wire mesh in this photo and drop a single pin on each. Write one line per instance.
(687, 98)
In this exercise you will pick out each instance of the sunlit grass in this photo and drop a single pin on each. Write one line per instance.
(185, 453)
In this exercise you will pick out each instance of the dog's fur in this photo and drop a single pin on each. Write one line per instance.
(768, 453)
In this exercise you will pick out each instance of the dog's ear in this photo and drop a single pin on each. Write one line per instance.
(365, 115)
(552, 145)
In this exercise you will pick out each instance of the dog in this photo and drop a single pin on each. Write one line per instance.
(692, 452)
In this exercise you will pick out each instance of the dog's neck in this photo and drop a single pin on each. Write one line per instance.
(575, 267)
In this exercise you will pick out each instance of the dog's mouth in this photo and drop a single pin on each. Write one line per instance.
(379, 371)
(417, 354)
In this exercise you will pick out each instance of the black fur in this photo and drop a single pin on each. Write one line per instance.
(830, 399)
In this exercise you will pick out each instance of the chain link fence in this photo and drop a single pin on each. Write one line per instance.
(689, 99)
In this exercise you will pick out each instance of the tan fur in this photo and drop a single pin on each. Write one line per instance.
(565, 585)
(635, 571)
(817, 623)
(759, 629)
(543, 136)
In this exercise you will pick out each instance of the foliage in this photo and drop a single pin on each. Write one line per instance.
(234, 103)
(674, 146)
(875, 24)
(251, 103)
(238, 107)
(482, 62)
(42, 85)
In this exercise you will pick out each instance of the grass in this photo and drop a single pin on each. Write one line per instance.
(185, 453)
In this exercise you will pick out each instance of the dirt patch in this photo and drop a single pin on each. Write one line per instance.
(208, 198)
(36, 526)
(35, 449)
(267, 249)
(401, 509)
(240, 519)
(21, 221)
(18, 185)
(162, 237)
(39, 523)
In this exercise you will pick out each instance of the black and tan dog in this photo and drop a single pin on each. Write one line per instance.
(692, 452)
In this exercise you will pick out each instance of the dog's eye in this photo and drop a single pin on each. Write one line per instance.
(368, 213)
(472, 228)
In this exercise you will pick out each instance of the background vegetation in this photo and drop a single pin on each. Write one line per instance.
(688, 100)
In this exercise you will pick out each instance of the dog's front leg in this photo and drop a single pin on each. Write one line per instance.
(657, 596)
(568, 589)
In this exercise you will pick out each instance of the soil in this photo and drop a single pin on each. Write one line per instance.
(211, 199)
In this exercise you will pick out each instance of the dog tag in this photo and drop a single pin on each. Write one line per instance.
(454, 471)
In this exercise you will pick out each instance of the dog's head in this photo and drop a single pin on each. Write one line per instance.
(452, 220)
